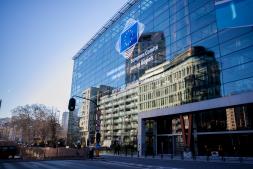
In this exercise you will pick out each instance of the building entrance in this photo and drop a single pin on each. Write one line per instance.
(170, 144)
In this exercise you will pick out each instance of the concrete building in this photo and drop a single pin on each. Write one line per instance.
(119, 116)
(87, 121)
(192, 76)
(64, 123)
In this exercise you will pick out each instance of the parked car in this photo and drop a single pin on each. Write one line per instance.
(7, 149)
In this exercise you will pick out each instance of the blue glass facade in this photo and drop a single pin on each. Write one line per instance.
(184, 23)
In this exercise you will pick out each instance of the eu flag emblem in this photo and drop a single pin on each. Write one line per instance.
(129, 37)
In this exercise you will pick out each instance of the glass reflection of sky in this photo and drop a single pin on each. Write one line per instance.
(234, 13)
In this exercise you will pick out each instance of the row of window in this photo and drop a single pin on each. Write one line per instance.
(222, 119)
(193, 66)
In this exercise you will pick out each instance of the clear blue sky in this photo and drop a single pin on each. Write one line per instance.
(37, 41)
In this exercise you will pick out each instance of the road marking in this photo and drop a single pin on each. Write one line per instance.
(137, 165)
(121, 164)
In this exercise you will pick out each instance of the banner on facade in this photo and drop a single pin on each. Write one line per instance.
(129, 37)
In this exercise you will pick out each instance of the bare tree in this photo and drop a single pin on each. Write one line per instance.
(53, 127)
(35, 123)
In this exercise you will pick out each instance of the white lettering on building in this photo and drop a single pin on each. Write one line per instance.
(142, 61)
(147, 52)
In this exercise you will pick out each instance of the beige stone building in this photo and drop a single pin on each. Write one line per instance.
(119, 116)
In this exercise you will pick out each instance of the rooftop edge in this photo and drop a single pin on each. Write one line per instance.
(116, 16)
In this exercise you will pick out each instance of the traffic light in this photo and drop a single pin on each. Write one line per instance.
(72, 104)
(98, 135)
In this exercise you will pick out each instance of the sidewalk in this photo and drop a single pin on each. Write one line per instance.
(245, 160)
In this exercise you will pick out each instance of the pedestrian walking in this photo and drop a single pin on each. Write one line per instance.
(118, 148)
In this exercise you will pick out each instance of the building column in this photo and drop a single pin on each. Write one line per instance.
(155, 137)
(141, 136)
(195, 136)
(183, 130)
(186, 137)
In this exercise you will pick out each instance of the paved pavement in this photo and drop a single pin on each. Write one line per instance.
(245, 160)
(115, 162)
(151, 162)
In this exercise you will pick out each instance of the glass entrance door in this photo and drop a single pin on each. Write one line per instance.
(164, 144)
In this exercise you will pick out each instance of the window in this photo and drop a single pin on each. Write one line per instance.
(204, 32)
(239, 86)
(237, 58)
(239, 72)
(237, 44)
(203, 21)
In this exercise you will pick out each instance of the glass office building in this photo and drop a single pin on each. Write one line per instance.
(190, 62)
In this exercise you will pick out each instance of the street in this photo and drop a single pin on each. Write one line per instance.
(112, 162)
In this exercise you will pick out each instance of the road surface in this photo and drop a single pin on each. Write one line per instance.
(120, 163)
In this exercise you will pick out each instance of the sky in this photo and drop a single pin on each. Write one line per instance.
(38, 39)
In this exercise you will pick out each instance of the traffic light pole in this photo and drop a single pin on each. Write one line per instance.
(71, 107)
(87, 99)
